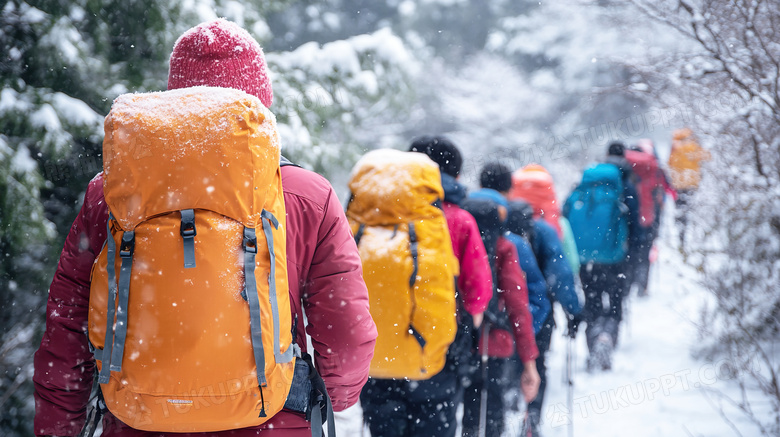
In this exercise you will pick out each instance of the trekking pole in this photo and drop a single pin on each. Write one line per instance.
(570, 384)
(525, 428)
(482, 432)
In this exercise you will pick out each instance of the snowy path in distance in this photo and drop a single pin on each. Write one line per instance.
(655, 386)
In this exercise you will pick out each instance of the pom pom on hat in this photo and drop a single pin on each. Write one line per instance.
(219, 53)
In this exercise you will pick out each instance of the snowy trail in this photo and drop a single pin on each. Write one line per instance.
(656, 388)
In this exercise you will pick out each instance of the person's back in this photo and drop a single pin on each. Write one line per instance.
(685, 160)
(322, 263)
(651, 187)
(508, 318)
(685, 172)
(611, 277)
(538, 299)
(558, 279)
(508, 323)
(429, 407)
(636, 235)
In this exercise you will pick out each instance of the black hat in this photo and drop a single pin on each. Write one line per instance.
(617, 148)
(496, 176)
(442, 151)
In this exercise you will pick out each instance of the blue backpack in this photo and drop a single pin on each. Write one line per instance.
(598, 215)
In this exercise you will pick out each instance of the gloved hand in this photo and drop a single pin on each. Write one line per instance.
(574, 325)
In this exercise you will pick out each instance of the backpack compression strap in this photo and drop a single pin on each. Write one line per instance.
(319, 401)
(250, 294)
(105, 354)
(114, 343)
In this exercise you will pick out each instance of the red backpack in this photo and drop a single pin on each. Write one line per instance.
(650, 185)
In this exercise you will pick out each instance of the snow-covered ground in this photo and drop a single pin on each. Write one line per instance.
(656, 387)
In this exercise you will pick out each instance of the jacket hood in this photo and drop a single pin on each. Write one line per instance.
(454, 192)
(489, 194)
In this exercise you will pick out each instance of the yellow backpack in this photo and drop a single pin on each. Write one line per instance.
(189, 312)
(408, 262)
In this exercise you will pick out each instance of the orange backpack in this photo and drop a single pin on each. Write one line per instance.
(408, 262)
(535, 185)
(189, 310)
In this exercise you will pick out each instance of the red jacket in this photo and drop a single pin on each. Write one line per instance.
(325, 277)
(475, 283)
(513, 296)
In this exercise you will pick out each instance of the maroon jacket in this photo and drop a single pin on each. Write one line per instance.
(475, 283)
(325, 277)
(513, 296)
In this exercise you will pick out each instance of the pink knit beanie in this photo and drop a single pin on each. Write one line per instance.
(221, 54)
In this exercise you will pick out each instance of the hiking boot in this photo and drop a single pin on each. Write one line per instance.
(601, 354)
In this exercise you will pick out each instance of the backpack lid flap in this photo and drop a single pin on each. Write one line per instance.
(201, 147)
(537, 188)
(602, 174)
(390, 186)
(643, 164)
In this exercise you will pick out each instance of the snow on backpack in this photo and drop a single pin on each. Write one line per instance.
(189, 312)
(408, 262)
(598, 215)
(650, 186)
(535, 185)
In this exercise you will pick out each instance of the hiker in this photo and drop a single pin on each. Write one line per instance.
(323, 272)
(547, 250)
(534, 184)
(651, 185)
(475, 286)
(685, 171)
(411, 405)
(537, 284)
(508, 319)
(495, 183)
(604, 216)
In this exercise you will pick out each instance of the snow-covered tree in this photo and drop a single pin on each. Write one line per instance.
(726, 87)
(63, 63)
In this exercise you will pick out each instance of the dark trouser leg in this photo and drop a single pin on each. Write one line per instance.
(543, 339)
(681, 213)
(384, 407)
(593, 312)
(432, 404)
(642, 267)
(598, 280)
(471, 399)
(496, 385)
(618, 287)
